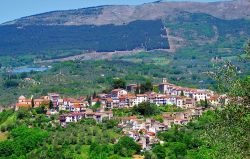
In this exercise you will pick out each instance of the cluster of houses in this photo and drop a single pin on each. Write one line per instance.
(30, 102)
(87, 113)
(169, 94)
(142, 130)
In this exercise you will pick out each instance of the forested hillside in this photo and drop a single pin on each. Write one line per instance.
(36, 39)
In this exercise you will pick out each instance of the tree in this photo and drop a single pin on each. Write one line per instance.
(115, 156)
(150, 155)
(23, 140)
(182, 93)
(99, 151)
(230, 131)
(159, 151)
(22, 113)
(156, 89)
(126, 147)
(137, 91)
(204, 103)
(5, 114)
(178, 149)
(247, 51)
(89, 99)
(51, 105)
(32, 103)
(6, 148)
(110, 123)
(96, 106)
(41, 109)
(119, 83)
(88, 121)
(11, 83)
(146, 87)
(94, 95)
(23, 75)
(146, 109)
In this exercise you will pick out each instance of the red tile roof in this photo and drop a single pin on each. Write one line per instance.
(23, 105)
(141, 95)
(96, 100)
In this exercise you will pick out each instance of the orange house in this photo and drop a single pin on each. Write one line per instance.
(23, 102)
(42, 100)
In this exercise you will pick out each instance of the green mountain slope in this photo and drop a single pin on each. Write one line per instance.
(36, 39)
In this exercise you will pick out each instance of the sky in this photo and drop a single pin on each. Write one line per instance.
(13, 9)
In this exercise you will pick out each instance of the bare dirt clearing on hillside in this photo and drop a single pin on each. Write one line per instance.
(91, 56)
(96, 56)
(174, 42)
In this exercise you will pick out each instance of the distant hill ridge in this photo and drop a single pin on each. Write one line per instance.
(123, 14)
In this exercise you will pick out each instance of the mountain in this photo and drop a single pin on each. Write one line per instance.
(105, 38)
(158, 25)
(103, 15)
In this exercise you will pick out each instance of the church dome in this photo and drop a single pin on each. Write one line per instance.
(21, 97)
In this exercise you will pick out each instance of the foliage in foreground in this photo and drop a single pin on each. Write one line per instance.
(219, 134)
(23, 140)
(223, 133)
(43, 137)
(126, 147)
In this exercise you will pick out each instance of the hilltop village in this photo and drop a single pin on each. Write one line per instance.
(190, 104)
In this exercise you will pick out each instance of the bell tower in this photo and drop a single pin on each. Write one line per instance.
(164, 80)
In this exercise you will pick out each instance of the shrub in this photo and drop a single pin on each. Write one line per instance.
(126, 147)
